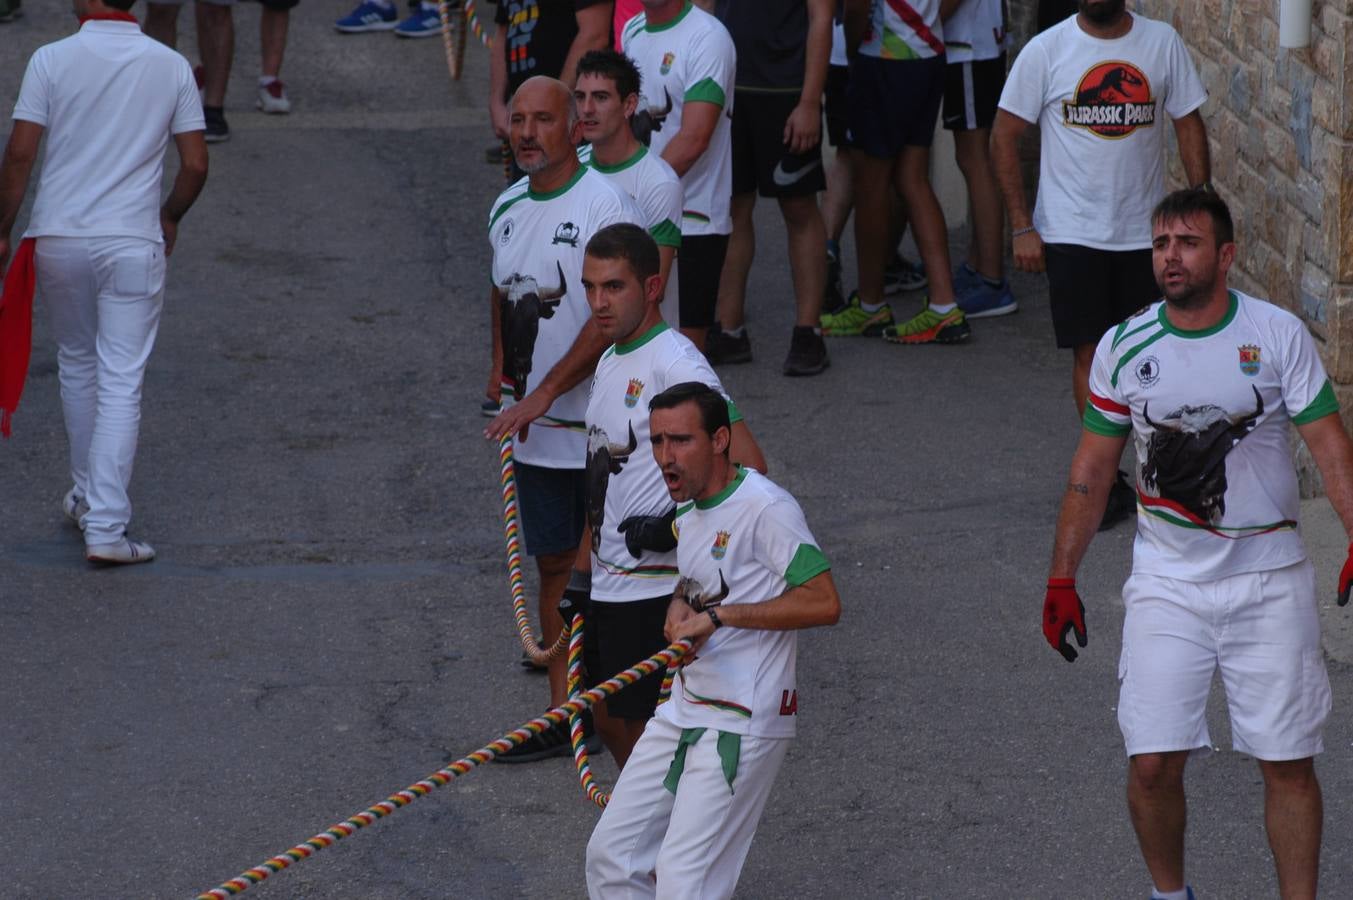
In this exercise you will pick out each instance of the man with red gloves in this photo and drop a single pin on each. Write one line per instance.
(1207, 381)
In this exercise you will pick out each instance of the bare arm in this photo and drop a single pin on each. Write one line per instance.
(1093, 470)
(20, 153)
(665, 256)
(743, 448)
(1333, 452)
(188, 183)
(1193, 149)
(498, 82)
(803, 128)
(594, 33)
(578, 363)
(1006, 132)
(698, 121)
(813, 603)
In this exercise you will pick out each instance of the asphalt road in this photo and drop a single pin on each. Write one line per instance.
(328, 620)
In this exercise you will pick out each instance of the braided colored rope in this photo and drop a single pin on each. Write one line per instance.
(472, 17)
(512, 532)
(443, 776)
(453, 37)
(575, 722)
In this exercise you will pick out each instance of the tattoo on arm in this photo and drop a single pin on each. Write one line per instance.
(1079, 488)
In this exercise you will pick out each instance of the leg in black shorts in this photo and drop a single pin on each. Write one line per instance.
(616, 636)
(701, 262)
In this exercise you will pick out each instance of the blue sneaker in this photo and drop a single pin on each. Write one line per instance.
(966, 278)
(369, 16)
(985, 301)
(425, 22)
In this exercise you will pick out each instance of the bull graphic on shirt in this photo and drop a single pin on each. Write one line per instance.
(693, 593)
(650, 118)
(1186, 455)
(604, 459)
(521, 306)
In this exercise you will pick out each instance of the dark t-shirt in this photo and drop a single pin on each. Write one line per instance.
(539, 33)
(771, 37)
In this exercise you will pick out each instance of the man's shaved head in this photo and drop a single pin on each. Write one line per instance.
(542, 88)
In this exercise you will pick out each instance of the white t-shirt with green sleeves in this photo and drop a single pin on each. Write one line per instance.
(753, 537)
(1209, 412)
(690, 59)
(628, 376)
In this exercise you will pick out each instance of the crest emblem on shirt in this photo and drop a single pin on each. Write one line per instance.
(1249, 359)
(667, 59)
(1113, 99)
(633, 392)
(506, 234)
(720, 548)
(1147, 371)
(566, 233)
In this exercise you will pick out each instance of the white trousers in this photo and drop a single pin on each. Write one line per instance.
(104, 296)
(651, 843)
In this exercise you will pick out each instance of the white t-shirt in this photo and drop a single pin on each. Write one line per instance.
(976, 31)
(904, 29)
(1209, 412)
(628, 376)
(690, 59)
(538, 242)
(751, 536)
(1099, 107)
(109, 98)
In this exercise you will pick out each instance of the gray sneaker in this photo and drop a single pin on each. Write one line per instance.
(74, 506)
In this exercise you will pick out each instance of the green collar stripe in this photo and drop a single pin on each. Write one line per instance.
(808, 563)
(650, 334)
(711, 502)
(1122, 333)
(653, 29)
(620, 166)
(562, 189)
(706, 90)
(1231, 309)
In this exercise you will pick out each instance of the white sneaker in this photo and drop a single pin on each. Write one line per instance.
(272, 98)
(74, 507)
(123, 552)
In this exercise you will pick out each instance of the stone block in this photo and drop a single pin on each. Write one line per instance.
(1315, 291)
(1310, 197)
(1338, 349)
(1339, 217)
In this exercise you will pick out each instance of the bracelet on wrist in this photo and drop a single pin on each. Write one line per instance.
(714, 617)
(1027, 229)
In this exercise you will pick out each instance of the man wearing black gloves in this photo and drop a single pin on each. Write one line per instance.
(629, 553)
(1207, 381)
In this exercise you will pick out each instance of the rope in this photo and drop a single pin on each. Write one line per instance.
(441, 777)
(512, 532)
(472, 17)
(575, 676)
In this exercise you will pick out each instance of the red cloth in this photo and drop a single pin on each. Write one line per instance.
(115, 15)
(16, 329)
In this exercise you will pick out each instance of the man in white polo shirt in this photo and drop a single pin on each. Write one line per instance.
(108, 99)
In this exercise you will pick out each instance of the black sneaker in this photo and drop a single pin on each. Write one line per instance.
(549, 743)
(1122, 502)
(722, 348)
(807, 352)
(217, 130)
(833, 298)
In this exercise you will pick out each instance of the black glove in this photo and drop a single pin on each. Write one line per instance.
(576, 596)
(649, 533)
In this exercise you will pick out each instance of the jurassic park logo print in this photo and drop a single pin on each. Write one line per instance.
(1113, 99)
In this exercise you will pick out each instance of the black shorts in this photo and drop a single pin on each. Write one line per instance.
(893, 103)
(761, 161)
(701, 262)
(971, 92)
(1093, 290)
(834, 105)
(552, 504)
(615, 637)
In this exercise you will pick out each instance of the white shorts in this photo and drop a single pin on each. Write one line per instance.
(1261, 629)
(692, 844)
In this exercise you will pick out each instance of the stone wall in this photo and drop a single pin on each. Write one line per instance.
(1280, 126)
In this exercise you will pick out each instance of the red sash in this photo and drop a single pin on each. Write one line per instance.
(16, 329)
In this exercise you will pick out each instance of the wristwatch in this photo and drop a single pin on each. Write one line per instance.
(714, 617)
(1206, 187)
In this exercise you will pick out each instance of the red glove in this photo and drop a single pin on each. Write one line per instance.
(1346, 577)
(1063, 611)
